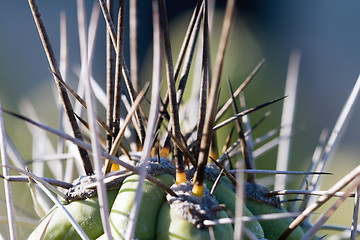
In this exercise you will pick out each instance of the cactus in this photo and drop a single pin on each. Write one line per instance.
(86, 213)
(153, 198)
(148, 173)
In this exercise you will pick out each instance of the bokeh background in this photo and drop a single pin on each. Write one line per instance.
(326, 33)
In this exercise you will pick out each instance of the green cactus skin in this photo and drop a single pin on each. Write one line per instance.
(153, 198)
(273, 228)
(226, 196)
(171, 226)
(85, 212)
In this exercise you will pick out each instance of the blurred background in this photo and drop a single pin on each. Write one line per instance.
(325, 32)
